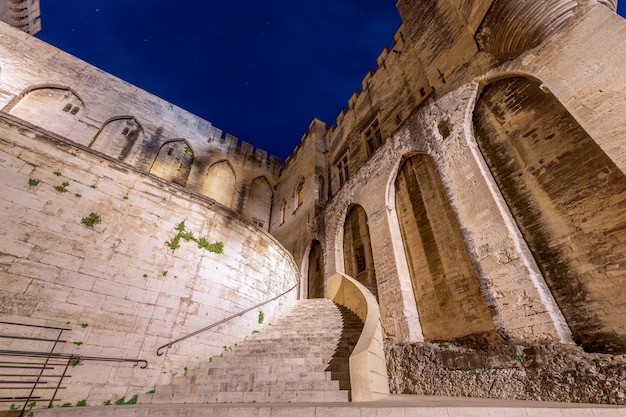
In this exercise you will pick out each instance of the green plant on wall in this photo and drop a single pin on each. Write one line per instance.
(33, 182)
(186, 235)
(63, 187)
(91, 220)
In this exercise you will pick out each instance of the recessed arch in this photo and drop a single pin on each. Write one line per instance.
(220, 183)
(445, 286)
(51, 107)
(259, 203)
(357, 248)
(315, 275)
(174, 161)
(568, 199)
(118, 136)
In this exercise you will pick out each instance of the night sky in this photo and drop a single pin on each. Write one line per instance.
(259, 70)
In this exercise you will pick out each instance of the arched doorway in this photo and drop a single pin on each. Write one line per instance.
(569, 201)
(446, 288)
(315, 280)
(357, 249)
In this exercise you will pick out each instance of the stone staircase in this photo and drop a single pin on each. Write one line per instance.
(303, 357)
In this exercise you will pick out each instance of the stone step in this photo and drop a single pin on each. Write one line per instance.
(302, 357)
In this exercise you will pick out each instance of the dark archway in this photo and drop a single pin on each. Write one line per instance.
(315, 280)
(446, 288)
(357, 249)
(569, 201)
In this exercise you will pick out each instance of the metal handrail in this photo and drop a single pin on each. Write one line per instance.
(241, 313)
(53, 355)
(47, 361)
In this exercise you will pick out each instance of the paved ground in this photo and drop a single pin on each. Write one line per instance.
(393, 406)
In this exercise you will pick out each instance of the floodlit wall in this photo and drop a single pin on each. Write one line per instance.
(60, 93)
(118, 277)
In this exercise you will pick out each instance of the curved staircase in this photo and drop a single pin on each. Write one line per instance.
(301, 358)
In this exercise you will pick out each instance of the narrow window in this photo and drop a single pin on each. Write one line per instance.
(74, 110)
(67, 107)
(300, 195)
(283, 211)
(125, 131)
(342, 169)
(373, 138)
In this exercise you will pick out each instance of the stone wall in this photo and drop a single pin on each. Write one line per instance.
(536, 372)
(60, 93)
(118, 277)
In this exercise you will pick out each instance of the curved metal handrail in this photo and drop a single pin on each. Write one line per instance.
(241, 313)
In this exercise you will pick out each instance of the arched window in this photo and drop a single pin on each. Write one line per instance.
(299, 194)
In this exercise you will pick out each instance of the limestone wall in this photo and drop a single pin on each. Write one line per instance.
(119, 277)
(60, 93)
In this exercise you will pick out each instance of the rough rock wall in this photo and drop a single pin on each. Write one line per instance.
(119, 277)
(540, 372)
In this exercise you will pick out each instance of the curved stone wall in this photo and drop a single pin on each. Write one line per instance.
(116, 284)
(512, 27)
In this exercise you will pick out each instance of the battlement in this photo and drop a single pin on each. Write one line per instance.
(387, 57)
(232, 147)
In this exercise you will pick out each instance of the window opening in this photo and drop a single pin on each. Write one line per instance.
(373, 138)
(67, 107)
(342, 168)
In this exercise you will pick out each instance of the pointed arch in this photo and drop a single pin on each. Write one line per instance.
(568, 199)
(259, 203)
(220, 183)
(173, 162)
(118, 136)
(315, 276)
(446, 288)
(51, 107)
(357, 249)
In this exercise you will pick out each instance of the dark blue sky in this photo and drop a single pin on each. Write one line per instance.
(259, 70)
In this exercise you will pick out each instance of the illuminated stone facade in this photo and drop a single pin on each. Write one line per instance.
(475, 183)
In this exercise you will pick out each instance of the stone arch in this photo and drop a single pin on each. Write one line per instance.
(51, 107)
(315, 275)
(118, 136)
(298, 194)
(220, 183)
(446, 288)
(568, 199)
(173, 162)
(259, 203)
(357, 248)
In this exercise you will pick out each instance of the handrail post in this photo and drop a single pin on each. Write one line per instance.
(56, 390)
(41, 371)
